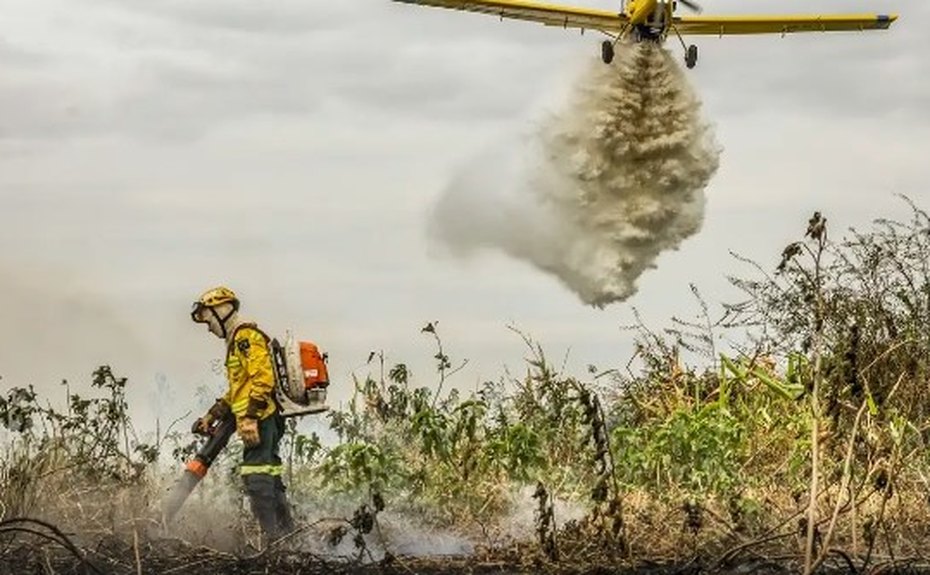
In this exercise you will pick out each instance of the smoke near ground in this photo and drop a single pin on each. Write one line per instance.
(608, 184)
(217, 514)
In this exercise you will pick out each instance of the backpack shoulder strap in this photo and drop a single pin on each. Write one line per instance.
(251, 325)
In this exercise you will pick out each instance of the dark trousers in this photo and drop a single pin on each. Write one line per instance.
(261, 476)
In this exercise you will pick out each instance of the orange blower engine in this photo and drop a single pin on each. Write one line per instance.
(301, 377)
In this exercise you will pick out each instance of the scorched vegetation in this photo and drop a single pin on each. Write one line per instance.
(803, 444)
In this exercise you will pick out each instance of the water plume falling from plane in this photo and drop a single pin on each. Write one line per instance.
(612, 181)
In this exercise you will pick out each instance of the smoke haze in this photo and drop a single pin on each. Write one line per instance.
(59, 328)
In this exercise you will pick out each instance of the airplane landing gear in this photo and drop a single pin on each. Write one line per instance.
(607, 51)
(691, 56)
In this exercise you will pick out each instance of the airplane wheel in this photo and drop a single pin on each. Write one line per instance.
(692, 56)
(607, 51)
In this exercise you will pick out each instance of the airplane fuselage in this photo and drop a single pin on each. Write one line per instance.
(638, 11)
(648, 19)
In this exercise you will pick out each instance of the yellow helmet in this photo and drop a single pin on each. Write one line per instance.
(212, 298)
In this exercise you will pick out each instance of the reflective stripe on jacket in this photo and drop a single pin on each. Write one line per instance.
(246, 469)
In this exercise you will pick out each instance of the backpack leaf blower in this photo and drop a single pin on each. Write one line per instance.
(301, 380)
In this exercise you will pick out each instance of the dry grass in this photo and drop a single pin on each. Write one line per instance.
(706, 467)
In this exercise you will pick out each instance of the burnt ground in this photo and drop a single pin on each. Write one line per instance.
(25, 561)
(30, 546)
(112, 559)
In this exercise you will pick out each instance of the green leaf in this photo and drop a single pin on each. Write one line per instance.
(784, 389)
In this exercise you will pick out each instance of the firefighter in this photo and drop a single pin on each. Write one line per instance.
(250, 399)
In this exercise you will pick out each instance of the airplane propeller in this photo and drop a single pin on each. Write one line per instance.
(694, 6)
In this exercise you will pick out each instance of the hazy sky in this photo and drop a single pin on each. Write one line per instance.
(293, 149)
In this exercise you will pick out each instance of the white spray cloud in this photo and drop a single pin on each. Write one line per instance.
(606, 185)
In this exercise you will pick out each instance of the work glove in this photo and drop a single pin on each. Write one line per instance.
(201, 426)
(219, 410)
(247, 428)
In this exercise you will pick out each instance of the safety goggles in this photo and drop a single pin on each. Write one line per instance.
(199, 312)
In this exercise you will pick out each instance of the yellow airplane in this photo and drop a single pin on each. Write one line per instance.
(652, 20)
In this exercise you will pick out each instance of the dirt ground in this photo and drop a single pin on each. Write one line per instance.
(297, 565)
(34, 546)
(119, 559)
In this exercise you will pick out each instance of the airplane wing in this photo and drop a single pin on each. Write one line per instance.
(720, 25)
(548, 14)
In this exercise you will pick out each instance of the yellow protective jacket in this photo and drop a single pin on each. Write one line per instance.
(250, 372)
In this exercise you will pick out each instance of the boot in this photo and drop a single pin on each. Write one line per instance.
(282, 509)
(263, 498)
(265, 511)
